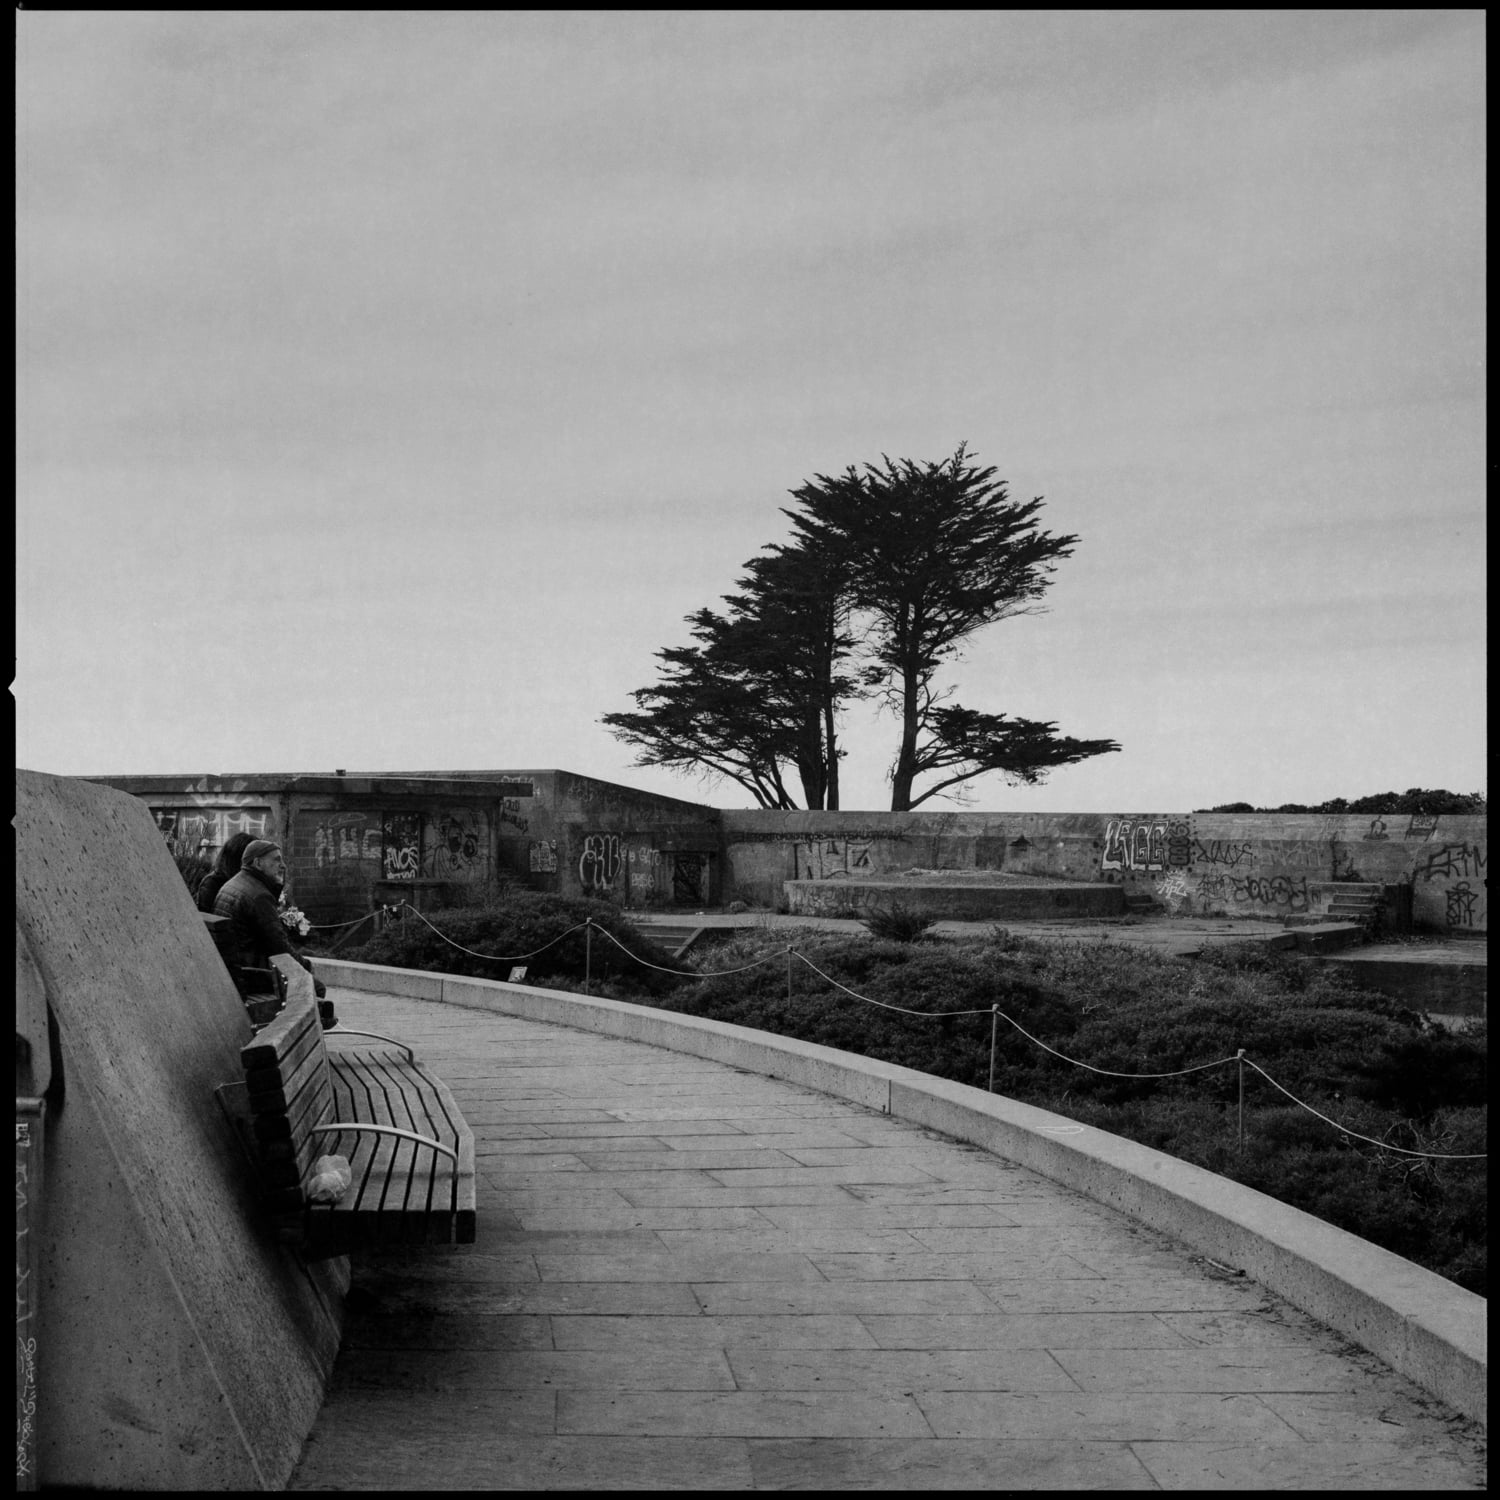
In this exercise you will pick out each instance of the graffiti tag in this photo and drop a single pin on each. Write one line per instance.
(1451, 860)
(600, 861)
(1219, 852)
(1145, 844)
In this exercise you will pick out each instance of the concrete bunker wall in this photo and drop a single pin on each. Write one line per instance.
(441, 837)
(1263, 865)
(178, 1345)
(448, 838)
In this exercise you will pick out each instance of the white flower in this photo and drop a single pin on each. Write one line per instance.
(293, 920)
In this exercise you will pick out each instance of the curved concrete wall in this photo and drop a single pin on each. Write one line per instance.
(179, 1346)
(1430, 1330)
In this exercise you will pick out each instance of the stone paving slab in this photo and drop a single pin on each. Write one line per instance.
(689, 1277)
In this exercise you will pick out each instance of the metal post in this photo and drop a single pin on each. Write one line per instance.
(994, 1022)
(1240, 1058)
(788, 973)
(588, 955)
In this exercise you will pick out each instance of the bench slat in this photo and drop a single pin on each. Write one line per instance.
(272, 1042)
(391, 1099)
(290, 1082)
(406, 1191)
(306, 1043)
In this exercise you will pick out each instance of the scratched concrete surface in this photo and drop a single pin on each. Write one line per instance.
(689, 1277)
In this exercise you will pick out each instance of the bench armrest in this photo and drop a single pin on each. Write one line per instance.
(406, 1135)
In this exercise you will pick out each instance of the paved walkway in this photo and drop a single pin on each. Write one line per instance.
(692, 1277)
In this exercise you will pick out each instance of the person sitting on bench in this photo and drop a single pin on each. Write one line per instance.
(226, 867)
(252, 930)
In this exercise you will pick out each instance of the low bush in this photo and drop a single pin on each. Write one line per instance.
(898, 923)
(542, 932)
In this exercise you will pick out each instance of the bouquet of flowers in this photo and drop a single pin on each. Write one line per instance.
(292, 919)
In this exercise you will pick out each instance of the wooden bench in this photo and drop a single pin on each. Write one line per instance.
(411, 1152)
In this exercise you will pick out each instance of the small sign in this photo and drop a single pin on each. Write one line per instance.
(518, 974)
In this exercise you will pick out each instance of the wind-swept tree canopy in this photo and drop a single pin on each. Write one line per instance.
(889, 571)
(969, 743)
(934, 552)
(761, 690)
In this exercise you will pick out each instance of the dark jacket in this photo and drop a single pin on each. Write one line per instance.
(252, 932)
(209, 888)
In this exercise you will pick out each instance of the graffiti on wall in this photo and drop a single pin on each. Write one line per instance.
(457, 846)
(1422, 826)
(1460, 871)
(1453, 860)
(642, 865)
(828, 859)
(345, 838)
(401, 846)
(1220, 852)
(205, 829)
(1138, 844)
(1276, 893)
(543, 857)
(600, 861)
(510, 812)
(1462, 903)
(1172, 890)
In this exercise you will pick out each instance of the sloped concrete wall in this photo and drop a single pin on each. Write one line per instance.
(179, 1346)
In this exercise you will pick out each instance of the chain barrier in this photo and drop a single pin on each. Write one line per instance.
(333, 926)
(992, 1011)
(1344, 1129)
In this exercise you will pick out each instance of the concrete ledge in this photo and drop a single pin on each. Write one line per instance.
(959, 901)
(1419, 1323)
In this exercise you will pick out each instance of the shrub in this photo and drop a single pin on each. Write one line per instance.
(531, 928)
(898, 923)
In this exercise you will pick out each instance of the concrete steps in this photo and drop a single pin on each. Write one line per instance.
(675, 937)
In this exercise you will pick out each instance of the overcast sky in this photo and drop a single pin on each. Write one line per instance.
(392, 384)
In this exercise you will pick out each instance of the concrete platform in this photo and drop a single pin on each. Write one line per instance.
(1448, 978)
(987, 897)
(1183, 937)
(691, 1276)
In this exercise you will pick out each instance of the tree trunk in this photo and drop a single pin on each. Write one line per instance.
(906, 760)
(831, 755)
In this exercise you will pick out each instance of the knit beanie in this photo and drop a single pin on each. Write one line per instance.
(256, 849)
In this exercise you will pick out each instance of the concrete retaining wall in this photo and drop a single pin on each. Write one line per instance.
(179, 1346)
(1268, 865)
(1422, 1325)
(351, 842)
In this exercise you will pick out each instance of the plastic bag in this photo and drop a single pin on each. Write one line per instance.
(330, 1180)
